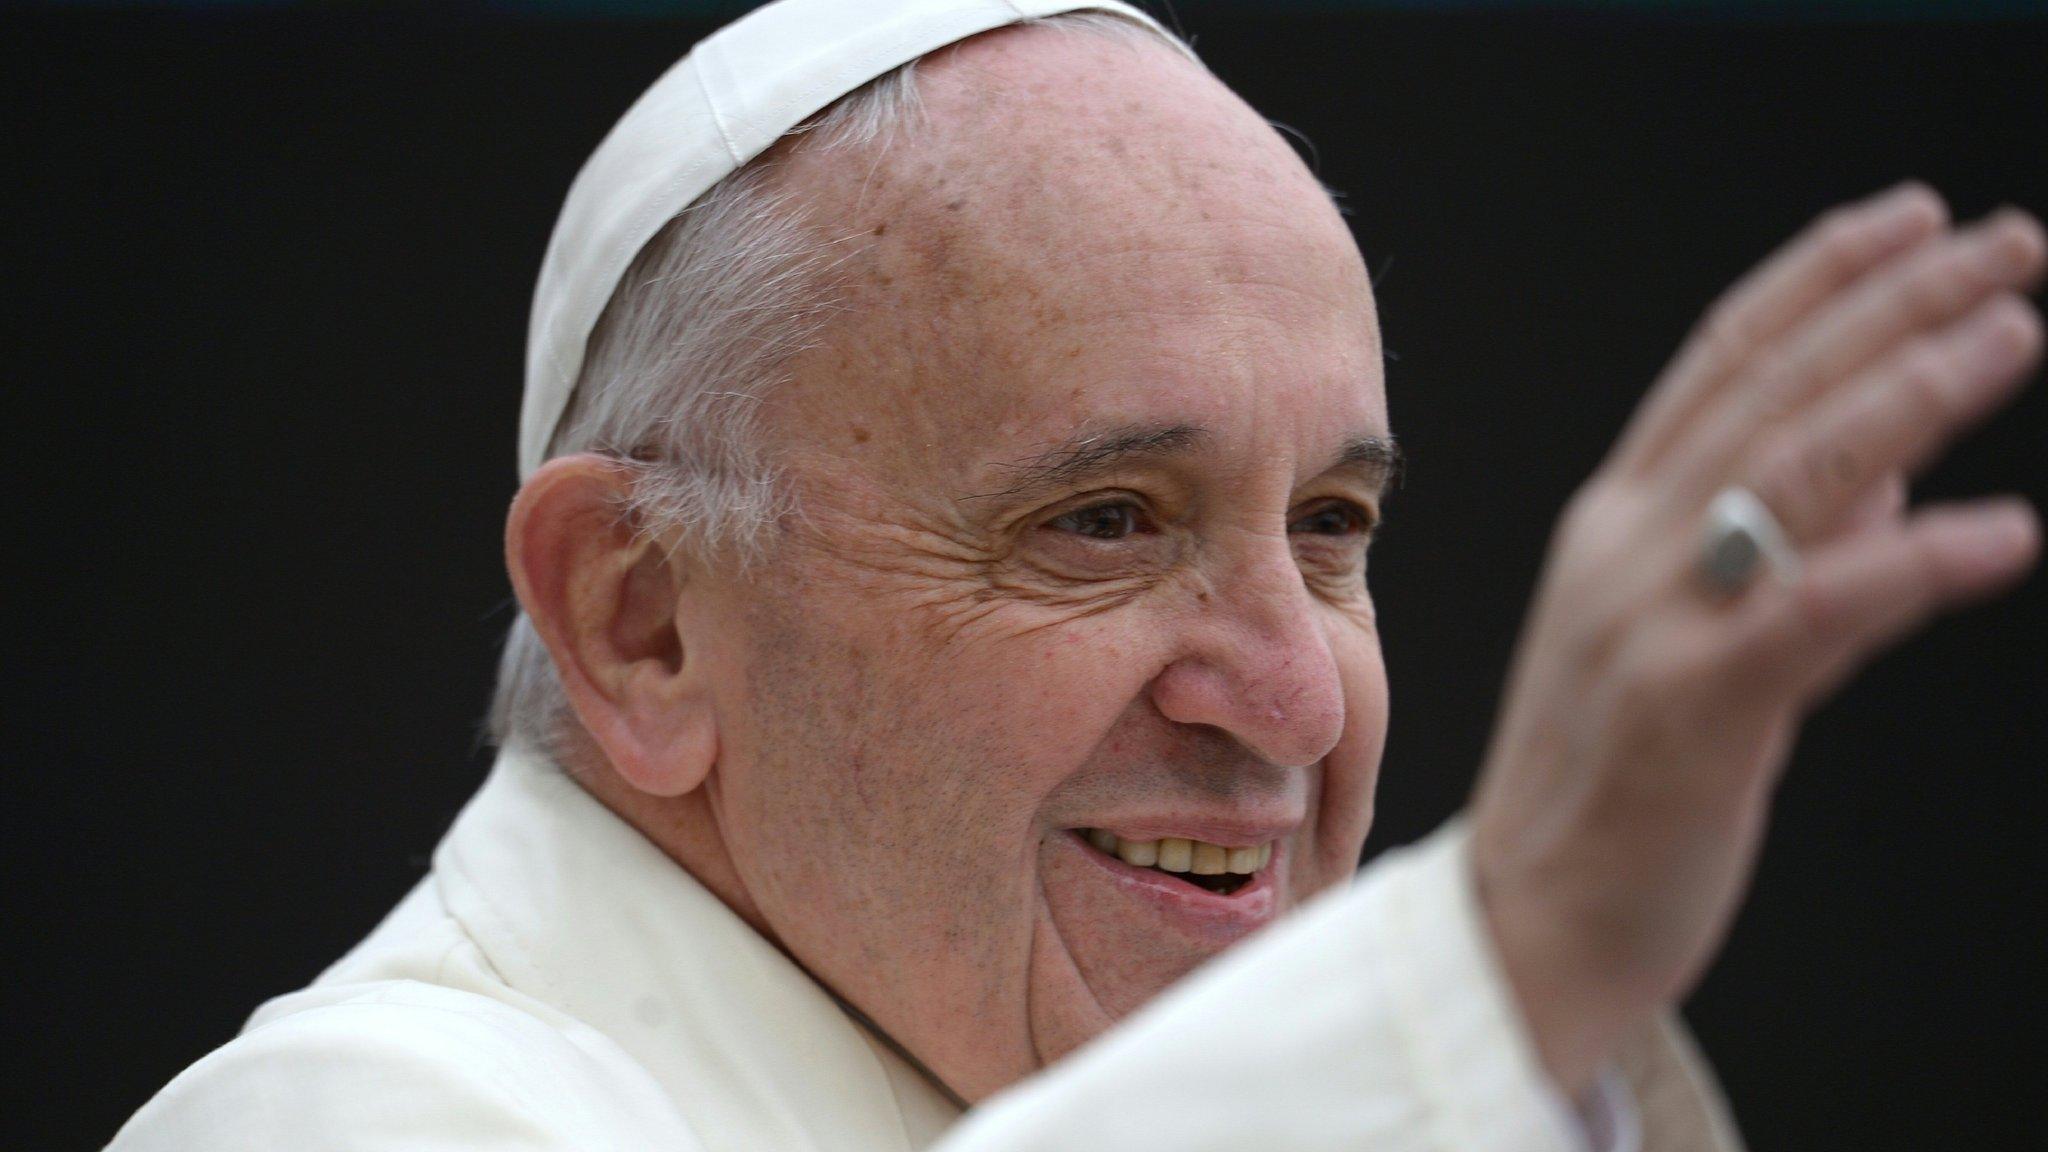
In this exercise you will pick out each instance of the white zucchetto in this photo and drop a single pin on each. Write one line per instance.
(737, 92)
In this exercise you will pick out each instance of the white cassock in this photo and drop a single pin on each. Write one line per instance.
(557, 983)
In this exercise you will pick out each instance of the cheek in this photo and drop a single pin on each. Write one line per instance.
(889, 730)
(1051, 697)
(872, 809)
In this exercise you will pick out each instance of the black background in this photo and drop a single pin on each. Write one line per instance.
(266, 284)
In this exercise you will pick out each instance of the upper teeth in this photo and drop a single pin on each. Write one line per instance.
(1175, 854)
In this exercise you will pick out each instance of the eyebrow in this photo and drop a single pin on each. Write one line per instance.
(1377, 458)
(1088, 454)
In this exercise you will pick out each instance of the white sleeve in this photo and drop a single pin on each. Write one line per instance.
(1610, 1120)
(1375, 1019)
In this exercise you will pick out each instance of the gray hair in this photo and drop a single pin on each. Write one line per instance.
(701, 325)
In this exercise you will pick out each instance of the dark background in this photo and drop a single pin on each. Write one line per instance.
(266, 284)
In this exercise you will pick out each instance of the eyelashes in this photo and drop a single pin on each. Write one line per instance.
(1120, 536)
(1337, 518)
(1120, 518)
(1108, 520)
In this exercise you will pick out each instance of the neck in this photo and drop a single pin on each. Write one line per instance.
(686, 829)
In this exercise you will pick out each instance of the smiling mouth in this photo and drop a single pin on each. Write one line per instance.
(1209, 866)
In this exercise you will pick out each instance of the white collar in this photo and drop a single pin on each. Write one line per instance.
(574, 907)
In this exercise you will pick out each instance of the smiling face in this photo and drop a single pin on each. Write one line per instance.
(1087, 471)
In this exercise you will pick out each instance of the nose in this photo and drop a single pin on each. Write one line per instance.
(1256, 662)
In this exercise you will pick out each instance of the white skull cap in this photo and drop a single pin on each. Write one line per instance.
(737, 92)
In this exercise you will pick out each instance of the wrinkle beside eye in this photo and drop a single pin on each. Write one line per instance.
(956, 579)
(1072, 597)
(898, 550)
(1008, 606)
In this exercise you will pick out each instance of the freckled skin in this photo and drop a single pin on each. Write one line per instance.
(930, 684)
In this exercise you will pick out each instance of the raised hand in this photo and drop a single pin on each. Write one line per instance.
(1650, 710)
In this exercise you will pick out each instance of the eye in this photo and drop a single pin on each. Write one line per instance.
(1108, 537)
(1099, 521)
(1339, 519)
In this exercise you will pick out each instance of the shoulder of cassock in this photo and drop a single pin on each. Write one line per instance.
(557, 983)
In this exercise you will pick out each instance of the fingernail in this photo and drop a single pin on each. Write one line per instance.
(2007, 531)
(2014, 242)
(2004, 334)
(1908, 208)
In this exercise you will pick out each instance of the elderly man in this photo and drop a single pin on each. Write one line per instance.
(946, 635)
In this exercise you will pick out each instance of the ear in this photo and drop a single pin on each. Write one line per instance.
(605, 599)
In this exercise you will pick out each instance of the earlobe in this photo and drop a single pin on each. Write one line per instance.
(606, 600)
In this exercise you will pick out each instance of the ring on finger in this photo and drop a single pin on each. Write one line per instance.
(1739, 538)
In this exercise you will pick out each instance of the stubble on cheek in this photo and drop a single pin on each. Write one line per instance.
(877, 829)
(1064, 1011)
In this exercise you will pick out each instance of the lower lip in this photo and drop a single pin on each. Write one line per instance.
(1198, 911)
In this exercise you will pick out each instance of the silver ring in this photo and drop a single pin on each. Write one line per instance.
(1740, 536)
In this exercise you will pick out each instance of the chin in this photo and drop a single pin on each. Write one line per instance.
(1110, 937)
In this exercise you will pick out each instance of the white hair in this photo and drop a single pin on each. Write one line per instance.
(700, 327)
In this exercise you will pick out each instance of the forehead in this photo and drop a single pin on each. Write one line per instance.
(1078, 232)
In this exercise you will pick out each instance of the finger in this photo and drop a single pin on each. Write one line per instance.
(1896, 416)
(1863, 594)
(1928, 289)
(1833, 252)
(1882, 504)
